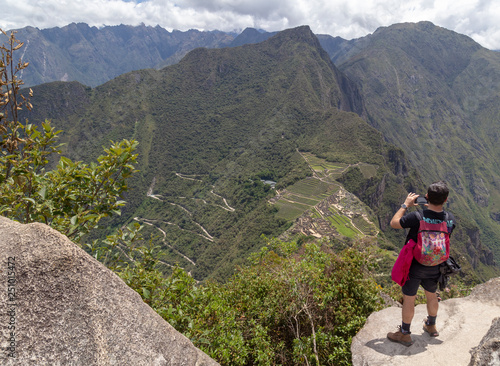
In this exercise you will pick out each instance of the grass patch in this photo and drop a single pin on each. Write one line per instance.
(342, 225)
(366, 227)
(312, 188)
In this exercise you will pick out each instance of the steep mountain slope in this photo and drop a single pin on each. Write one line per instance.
(93, 56)
(435, 94)
(215, 124)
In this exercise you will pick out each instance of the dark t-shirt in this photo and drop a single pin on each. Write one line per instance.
(411, 221)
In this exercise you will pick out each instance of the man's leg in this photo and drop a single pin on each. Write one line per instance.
(432, 310)
(403, 335)
(432, 303)
(409, 289)
(408, 308)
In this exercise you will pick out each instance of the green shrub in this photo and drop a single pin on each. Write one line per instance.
(291, 304)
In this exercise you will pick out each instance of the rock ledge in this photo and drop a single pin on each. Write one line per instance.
(462, 324)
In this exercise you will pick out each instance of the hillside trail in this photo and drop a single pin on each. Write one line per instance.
(159, 197)
(206, 236)
(227, 208)
(151, 223)
(155, 223)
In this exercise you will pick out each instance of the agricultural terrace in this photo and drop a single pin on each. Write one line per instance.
(324, 199)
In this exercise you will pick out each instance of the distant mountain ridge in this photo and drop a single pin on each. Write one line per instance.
(250, 36)
(93, 56)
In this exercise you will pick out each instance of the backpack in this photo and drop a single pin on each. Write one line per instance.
(433, 243)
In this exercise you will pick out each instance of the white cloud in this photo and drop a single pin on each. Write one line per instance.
(345, 18)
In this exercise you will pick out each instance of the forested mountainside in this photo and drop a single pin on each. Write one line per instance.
(222, 125)
(435, 94)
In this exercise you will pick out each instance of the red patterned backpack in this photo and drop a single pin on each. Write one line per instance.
(433, 243)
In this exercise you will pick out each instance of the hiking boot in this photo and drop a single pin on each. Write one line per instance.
(400, 337)
(431, 329)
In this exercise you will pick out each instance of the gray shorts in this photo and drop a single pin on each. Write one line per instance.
(426, 276)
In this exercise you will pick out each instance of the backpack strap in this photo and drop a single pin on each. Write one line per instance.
(446, 217)
(420, 216)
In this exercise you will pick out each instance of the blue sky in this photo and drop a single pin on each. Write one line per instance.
(478, 19)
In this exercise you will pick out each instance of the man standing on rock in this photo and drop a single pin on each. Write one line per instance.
(427, 276)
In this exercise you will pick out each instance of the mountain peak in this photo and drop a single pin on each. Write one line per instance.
(301, 33)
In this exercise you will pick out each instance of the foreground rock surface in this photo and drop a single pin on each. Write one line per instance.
(488, 351)
(462, 324)
(68, 309)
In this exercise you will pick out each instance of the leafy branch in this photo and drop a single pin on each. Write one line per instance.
(74, 196)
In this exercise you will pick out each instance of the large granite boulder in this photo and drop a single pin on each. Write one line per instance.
(59, 306)
(462, 324)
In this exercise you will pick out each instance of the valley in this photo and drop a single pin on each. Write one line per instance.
(336, 140)
(319, 206)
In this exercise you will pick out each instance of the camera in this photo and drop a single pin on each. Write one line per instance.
(421, 200)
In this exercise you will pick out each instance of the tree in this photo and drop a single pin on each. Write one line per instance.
(74, 196)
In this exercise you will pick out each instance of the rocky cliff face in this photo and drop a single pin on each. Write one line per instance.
(437, 106)
(476, 250)
(469, 333)
(59, 306)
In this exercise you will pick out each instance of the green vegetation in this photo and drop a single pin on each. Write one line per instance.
(342, 224)
(73, 197)
(230, 117)
(226, 118)
(312, 187)
(319, 164)
(324, 189)
(290, 211)
(292, 305)
(235, 114)
(367, 228)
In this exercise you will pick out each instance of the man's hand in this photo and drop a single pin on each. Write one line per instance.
(409, 202)
(410, 199)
